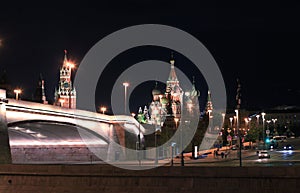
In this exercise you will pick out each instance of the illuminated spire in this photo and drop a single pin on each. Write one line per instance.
(209, 106)
(194, 92)
(172, 75)
(65, 58)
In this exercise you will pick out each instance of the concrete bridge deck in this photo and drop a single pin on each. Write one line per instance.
(34, 132)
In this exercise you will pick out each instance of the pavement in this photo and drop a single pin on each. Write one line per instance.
(207, 157)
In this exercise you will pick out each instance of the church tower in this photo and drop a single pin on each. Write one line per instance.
(191, 99)
(174, 91)
(65, 94)
(209, 105)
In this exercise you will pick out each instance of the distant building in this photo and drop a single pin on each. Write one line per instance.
(65, 94)
(285, 120)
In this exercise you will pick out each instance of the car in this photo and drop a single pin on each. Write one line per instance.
(234, 147)
(263, 154)
(288, 147)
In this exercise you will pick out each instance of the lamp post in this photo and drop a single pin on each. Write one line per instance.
(249, 120)
(223, 119)
(17, 92)
(139, 140)
(240, 137)
(230, 119)
(125, 84)
(157, 128)
(263, 129)
(249, 127)
(268, 128)
(61, 102)
(257, 126)
(181, 145)
(103, 109)
(274, 121)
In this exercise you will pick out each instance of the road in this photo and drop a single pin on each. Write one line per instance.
(279, 157)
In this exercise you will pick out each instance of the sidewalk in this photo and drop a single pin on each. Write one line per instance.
(210, 157)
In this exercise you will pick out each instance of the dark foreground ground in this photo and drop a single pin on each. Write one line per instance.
(105, 178)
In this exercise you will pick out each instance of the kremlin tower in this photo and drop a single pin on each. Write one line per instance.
(65, 94)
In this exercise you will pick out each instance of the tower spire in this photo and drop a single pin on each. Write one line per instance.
(209, 106)
(172, 75)
(65, 58)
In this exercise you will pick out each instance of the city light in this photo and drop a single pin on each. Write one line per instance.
(17, 92)
(125, 84)
(70, 65)
(61, 102)
(103, 109)
(263, 129)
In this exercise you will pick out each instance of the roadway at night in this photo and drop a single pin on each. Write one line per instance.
(279, 157)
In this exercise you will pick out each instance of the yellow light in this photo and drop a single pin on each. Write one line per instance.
(125, 84)
(17, 91)
(61, 102)
(70, 64)
(103, 109)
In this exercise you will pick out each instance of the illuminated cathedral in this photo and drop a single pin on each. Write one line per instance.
(171, 103)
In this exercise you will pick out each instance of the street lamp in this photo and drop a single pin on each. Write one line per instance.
(268, 128)
(103, 109)
(61, 102)
(246, 122)
(223, 118)
(240, 137)
(17, 92)
(182, 156)
(231, 119)
(263, 118)
(139, 140)
(125, 84)
(157, 129)
(274, 121)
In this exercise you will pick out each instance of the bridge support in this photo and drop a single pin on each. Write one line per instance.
(5, 153)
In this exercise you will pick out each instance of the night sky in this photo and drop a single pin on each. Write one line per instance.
(256, 42)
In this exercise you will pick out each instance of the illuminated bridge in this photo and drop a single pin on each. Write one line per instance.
(40, 133)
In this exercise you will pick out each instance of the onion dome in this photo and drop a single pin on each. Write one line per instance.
(168, 89)
(164, 100)
(156, 92)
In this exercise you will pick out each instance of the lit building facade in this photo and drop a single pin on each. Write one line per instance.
(167, 106)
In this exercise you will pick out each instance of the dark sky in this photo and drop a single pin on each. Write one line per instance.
(256, 41)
